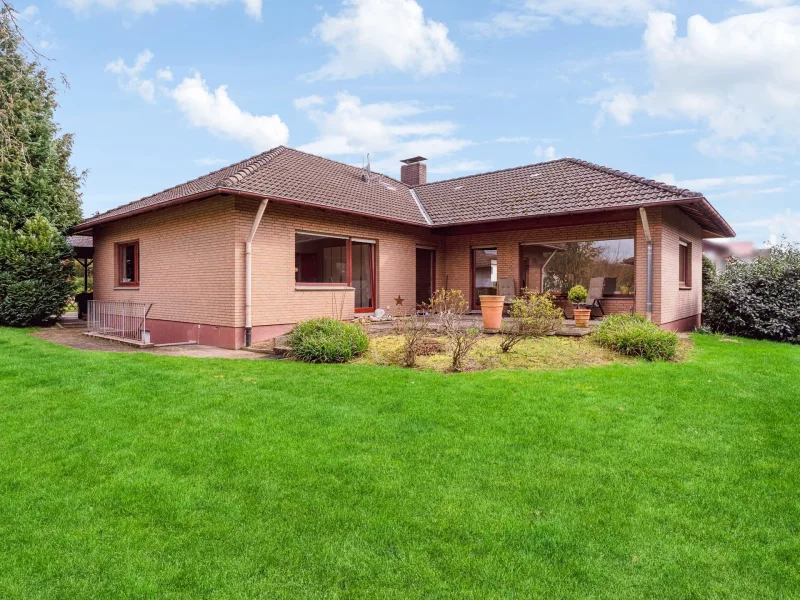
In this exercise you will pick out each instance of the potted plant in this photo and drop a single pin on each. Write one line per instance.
(577, 295)
(492, 311)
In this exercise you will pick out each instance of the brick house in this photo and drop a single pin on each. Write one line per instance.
(284, 236)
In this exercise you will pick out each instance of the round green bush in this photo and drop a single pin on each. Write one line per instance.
(634, 335)
(578, 294)
(327, 340)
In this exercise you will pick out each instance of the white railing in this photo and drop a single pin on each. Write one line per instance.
(124, 320)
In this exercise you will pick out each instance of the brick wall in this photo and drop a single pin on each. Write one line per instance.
(275, 299)
(192, 264)
(678, 304)
(186, 261)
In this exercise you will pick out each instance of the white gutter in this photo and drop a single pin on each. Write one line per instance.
(248, 275)
(649, 238)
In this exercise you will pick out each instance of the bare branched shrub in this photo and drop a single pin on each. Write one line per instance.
(530, 316)
(448, 308)
(414, 328)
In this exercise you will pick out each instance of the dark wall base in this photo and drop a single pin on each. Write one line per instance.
(172, 332)
(687, 324)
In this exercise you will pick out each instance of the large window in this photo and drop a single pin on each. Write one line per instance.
(684, 264)
(321, 260)
(578, 263)
(128, 264)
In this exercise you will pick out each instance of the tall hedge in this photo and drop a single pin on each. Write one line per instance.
(760, 299)
(35, 267)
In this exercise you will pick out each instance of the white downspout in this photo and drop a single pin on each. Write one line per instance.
(248, 275)
(649, 238)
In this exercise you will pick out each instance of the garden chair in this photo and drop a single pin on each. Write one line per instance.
(596, 290)
(506, 287)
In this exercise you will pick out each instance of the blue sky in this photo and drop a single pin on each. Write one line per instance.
(702, 94)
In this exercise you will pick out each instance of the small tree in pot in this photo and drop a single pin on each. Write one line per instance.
(578, 295)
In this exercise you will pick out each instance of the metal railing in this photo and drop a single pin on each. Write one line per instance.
(125, 320)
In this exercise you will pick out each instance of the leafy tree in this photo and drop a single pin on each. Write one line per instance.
(39, 190)
(35, 265)
(709, 275)
(571, 266)
(35, 175)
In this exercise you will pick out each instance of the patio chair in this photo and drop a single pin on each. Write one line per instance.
(596, 291)
(506, 287)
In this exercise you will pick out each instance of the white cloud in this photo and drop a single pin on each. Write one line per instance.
(219, 114)
(140, 7)
(652, 134)
(544, 153)
(307, 102)
(390, 131)
(129, 78)
(520, 139)
(710, 183)
(371, 36)
(508, 23)
(29, 13)
(502, 95)
(164, 74)
(210, 161)
(773, 227)
(534, 15)
(461, 166)
(740, 78)
(767, 3)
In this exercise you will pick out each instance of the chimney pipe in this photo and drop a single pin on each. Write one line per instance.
(414, 172)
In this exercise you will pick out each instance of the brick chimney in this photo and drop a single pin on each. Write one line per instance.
(414, 172)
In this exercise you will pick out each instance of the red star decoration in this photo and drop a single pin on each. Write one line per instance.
(398, 301)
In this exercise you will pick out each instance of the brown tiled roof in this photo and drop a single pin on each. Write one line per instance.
(80, 241)
(557, 187)
(284, 173)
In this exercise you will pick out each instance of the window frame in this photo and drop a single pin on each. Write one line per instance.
(685, 248)
(120, 249)
(348, 283)
(348, 261)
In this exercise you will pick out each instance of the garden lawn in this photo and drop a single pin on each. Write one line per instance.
(133, 476)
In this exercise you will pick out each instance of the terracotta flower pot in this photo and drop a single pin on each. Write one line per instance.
(582, 316)
(492, 311)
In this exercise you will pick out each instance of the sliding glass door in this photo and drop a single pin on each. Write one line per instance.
(363, 261)
(484, 274)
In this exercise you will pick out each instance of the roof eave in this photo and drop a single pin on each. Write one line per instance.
(88, 225)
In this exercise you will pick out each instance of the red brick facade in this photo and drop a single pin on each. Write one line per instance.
(192, 265)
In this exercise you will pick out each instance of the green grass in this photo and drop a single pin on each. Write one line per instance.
(138, 476)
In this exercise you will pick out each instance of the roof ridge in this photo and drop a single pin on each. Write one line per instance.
(684, 193)
(252, 167)
(339, 162)
(544, 162)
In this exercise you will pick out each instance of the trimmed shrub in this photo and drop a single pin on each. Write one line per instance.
(35, 268)
(760, 299)
(327, 340)
(531, 316)
(578, 295)
(634, 335)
